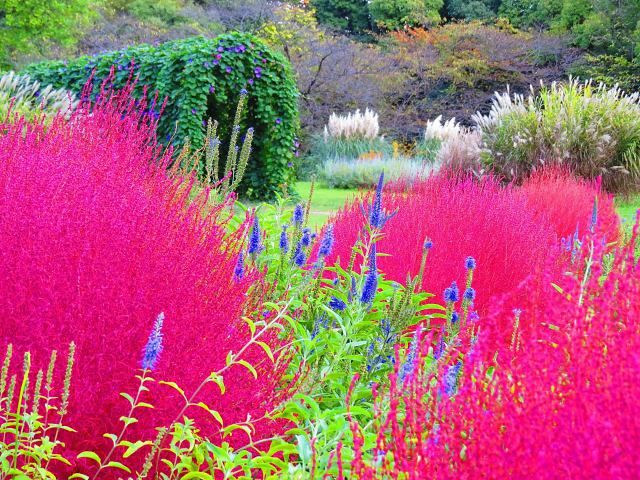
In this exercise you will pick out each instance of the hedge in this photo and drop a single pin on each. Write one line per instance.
(202, 78)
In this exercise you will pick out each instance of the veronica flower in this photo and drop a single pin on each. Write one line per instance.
(440, 345)
(298, 215)
(371, 281)
(594, 215)
(470, 263)
(428, 245)
(409, 365)
(254, 238)
(451, 379)
(451, 294)
(469, 294)
(336, 304)
(299, 257)
(373, 258)
(154, 344)
(238, 271)
(305, 241)
(284, 239)
(326, 244)
(352, 290)
(376, 216)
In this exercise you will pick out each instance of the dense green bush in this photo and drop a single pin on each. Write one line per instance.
(203, 78)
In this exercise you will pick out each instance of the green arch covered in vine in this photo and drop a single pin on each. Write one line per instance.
(201, 78)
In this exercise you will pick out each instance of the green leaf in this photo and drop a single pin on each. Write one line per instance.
(91, 456)
(134, 447)
(218, 380)
(111, 436)
(249, 367)
(128, 397)
(213, 413)
(267, 350)
(118, 465)
(201, 475)
(128, 420)
(175, 387)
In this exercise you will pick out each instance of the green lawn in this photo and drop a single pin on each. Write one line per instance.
(324, 202)
(328, 200)
(627, 209)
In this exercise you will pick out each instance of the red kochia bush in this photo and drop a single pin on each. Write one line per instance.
(462, 217)
(96, 240)
(561, 401)
(567, 202)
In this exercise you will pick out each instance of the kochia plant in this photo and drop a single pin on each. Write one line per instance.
(98, 238)
(459, 217)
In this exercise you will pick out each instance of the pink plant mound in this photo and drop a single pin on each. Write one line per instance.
(462, 217)
(558, 401)
(567, 202)
(97, 239)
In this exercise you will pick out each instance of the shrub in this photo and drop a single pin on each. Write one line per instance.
(353, 126)
(346, 137)
(23, 96)
(610, 70)
(364, 173)
(569, 202)
(458, 147)
(203, 79)
(98, 239)
(594, 130)
(461, 217)
(518, 409)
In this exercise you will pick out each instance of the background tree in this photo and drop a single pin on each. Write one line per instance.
(395, 14)
(352, 16)
(36, 26)
(472, 10)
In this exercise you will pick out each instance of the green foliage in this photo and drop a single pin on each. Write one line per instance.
(349, 15)
(610, 70)
(395, 14)
(203, 78)
(166, 11)
(32, 416)
(472, 10)
(35, 26)
(530, 13)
